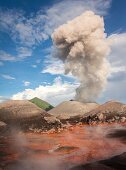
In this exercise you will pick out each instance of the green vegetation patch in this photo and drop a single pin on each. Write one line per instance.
(41, 103)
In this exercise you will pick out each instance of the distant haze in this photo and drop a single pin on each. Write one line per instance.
(82, 45)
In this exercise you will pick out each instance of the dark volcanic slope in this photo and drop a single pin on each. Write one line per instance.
(72, 108)
(114, 163)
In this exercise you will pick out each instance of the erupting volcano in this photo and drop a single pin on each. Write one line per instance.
(78, 134)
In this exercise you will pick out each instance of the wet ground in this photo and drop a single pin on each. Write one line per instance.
(78, 145)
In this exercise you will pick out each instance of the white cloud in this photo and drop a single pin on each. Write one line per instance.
(8, 77)
(60, 91)
(118, 49)
(53, 66)
(117, 79)
(117, 57)
(6, 57)
(23, 30)
(54, 94)
(117, 69)
(26, 83)
(29, 31)
(115, 91)
(60, 13)
(22, 52)
(65, 10)
(34, 66)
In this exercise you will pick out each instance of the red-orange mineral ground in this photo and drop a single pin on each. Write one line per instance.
(77, 145)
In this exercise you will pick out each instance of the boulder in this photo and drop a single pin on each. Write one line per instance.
(3, 126)
(100, 116)
(123, 119)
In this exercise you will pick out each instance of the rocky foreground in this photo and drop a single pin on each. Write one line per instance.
(85, 148)
(74, 112)
(27, 116)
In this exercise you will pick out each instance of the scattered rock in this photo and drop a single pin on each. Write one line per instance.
(112, 111)
(2, 124)
(52, 119)
(116, 117)
(28, 116)
(113, 108)
(123, 119)
(100, 116)
(65, 148)
(3, 127)
(51, 131)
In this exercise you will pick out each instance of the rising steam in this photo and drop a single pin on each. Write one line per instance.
(81, 44)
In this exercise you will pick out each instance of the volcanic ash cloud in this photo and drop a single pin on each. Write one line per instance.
(82, 45)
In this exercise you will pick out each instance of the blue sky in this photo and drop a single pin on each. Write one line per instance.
(27, 68)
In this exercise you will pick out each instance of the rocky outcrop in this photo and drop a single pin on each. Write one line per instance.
(74, 112)
(111, 111)
(110, 107)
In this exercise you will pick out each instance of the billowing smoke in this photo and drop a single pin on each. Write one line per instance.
(81, 44)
